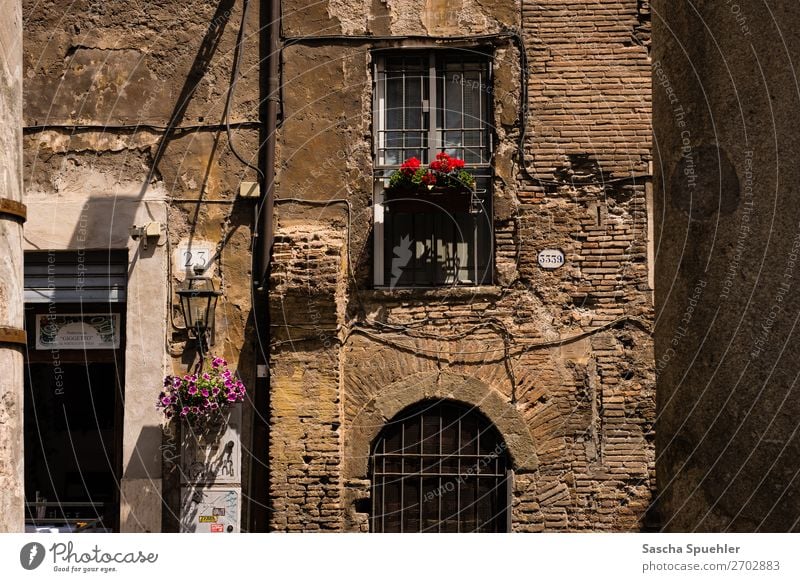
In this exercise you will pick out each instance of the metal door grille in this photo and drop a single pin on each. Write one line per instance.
(439, 467)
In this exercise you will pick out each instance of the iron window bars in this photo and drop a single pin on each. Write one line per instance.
(425, 103)
(439, 467)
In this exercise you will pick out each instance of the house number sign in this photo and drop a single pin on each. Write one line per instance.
(551, 258)
(190, 255)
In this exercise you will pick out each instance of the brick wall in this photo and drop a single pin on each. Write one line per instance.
(589, 84)
(561, 361)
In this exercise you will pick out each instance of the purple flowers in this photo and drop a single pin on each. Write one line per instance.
(201, 396)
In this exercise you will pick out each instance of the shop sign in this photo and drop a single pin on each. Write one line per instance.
(76, 331)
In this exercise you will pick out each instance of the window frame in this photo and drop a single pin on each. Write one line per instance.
(481, 57)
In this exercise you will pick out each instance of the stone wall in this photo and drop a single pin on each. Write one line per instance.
(124, 108)
(561, 361)
(11, 314)
(725, 105)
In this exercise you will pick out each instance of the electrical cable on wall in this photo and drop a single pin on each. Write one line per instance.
(237, 60)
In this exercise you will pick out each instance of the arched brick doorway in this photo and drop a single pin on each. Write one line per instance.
(439, 466)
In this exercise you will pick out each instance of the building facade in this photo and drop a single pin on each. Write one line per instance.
(405, 326)
(444, 359)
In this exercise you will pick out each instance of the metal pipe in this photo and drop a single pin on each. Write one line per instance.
(267, 233)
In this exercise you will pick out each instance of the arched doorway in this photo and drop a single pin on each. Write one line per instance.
(439, 466)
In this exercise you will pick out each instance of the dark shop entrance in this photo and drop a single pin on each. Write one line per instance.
(74, 387)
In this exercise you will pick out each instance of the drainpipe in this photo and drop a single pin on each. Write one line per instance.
(259, 514)
(12, 215)
(273, 31)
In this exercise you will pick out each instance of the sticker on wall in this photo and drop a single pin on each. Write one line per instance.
(551, 258)
(191, 254)
(210, 509)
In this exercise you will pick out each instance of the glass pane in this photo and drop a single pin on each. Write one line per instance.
(452, 143)
(394, 102)
(392, 157)
(473, 100)
(413, 140)
(452, 104)
(474, 152)
(413, 103)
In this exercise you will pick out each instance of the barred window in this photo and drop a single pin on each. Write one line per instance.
(439, 466)
(427, 103)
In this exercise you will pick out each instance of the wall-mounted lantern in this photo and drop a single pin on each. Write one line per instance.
(198, 303)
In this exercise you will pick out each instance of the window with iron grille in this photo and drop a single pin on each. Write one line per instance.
(439, 467)
(427, 103)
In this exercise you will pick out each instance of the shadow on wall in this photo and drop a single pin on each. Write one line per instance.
(138, 470)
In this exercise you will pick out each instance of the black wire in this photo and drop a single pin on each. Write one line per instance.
(237, 59)
(134, 127)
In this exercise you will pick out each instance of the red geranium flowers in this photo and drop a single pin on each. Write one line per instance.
(410, 166)
(445, 163)
(446, 170)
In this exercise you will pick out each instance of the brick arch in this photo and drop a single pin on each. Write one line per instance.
(393, 399)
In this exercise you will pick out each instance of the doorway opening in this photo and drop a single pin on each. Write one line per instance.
(440, 466)
(74, 388)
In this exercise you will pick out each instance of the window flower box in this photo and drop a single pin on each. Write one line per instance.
(444, 175)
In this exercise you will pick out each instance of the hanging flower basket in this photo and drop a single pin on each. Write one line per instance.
(202, 399)
(444, 175)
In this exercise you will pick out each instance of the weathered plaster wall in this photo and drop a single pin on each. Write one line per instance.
(125, 72)
(725, 109)
(560, 360)
(11, 314)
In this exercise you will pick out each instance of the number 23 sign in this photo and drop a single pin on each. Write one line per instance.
(194, 254)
